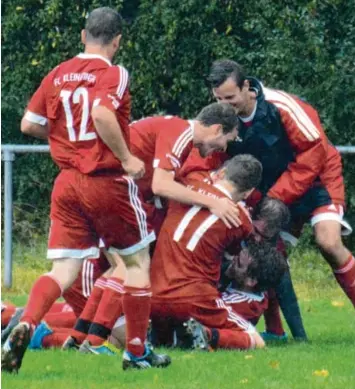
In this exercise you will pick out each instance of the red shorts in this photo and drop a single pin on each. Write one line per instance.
(77, 295)
(212, 312)
(84, 208)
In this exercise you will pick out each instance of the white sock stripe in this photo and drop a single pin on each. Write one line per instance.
(115, 289)
(100, 282)
(346, 268)
(115, 284)
(138, 294)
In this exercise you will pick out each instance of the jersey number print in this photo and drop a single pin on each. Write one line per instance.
(79, 94)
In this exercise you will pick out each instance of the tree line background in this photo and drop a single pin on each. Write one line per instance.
(306, 47)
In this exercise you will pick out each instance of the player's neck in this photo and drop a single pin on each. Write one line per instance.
(98, 50)
(229, 188)
(249, 107)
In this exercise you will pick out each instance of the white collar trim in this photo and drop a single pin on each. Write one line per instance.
(223, 190)
(94, 56)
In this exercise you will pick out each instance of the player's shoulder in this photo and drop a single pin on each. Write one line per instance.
(245, 217)
(283, 100)
(234, 296)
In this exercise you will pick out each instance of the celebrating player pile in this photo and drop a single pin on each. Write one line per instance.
(124, 184)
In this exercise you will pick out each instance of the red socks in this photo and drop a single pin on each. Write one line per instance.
(60, 319)
(108, 311)
(136, 307)
(345, 276)
(44, 293)
(272, 316)
(82, 325)
(56, 339)
(229, 339)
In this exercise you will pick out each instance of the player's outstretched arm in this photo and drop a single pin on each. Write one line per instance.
(34, 129)
(110, 132)
(164, 185)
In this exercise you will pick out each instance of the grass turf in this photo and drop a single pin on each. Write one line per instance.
(327, 361)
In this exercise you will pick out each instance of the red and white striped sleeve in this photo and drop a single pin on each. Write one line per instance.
(307, 138)
(113, 86)
(173, 146)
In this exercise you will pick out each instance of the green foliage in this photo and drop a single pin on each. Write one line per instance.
(305, 47)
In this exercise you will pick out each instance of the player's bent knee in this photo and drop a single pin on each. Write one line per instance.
(65, 271)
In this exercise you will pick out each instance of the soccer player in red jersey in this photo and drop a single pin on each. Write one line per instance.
(83, 106)
(300, 165)
(187, 259)
(163, 143)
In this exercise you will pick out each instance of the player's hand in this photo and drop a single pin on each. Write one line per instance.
(227, 211)
(134, 167)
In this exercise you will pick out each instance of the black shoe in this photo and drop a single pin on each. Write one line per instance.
(15, 347)
(70, 344)
(15, 319)
(198, 334)
(148, 360)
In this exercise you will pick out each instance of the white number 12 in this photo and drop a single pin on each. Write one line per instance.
(83, 133)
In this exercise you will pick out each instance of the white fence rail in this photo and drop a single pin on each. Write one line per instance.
(8, 153)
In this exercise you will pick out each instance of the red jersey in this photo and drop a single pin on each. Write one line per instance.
(196, 163)
(64, 100)
(248, 305)
(190, 247)
(160, 141)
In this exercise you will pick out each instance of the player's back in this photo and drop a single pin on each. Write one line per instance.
(190, 247)
(66, 97)
(152, 135)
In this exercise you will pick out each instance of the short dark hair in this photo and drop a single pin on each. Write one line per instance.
(103, 24)
(268, 265)
(244, 171)
(222, 69)
(274, 213)
(219, 113)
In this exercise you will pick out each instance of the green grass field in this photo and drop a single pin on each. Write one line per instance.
(327, 361)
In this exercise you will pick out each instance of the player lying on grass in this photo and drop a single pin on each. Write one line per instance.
(247, 302)
(189, 250)
(163, 143)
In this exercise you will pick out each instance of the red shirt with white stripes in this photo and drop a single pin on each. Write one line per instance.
(160, 141)
(250, 306)
(315, 156)
(190, 247)
(64, 101)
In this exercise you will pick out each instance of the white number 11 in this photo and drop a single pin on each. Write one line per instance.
(83, 133)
